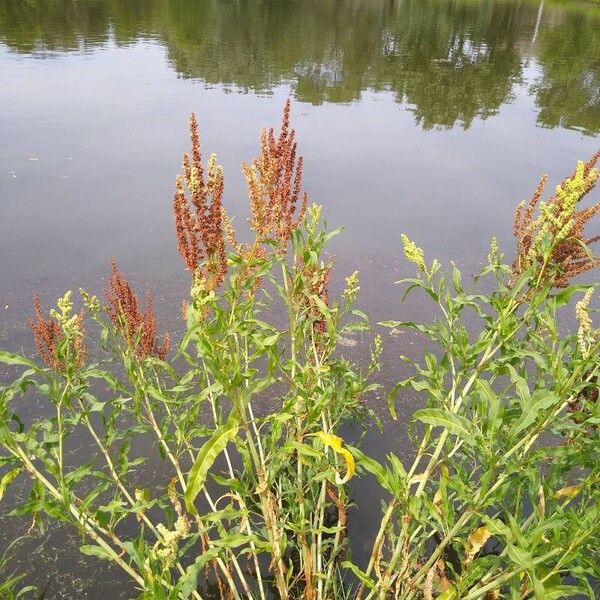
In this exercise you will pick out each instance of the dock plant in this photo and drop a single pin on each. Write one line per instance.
(246, 411)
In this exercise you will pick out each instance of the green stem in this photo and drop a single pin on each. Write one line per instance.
(122, 487)
(456, 404)
(83, 520)
(183, 484)
(496, 583)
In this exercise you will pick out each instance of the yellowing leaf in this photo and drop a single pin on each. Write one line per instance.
(568, 492)
(448, 594)
(335, 443)
(475, 542)
(7, 479)
(541, 502)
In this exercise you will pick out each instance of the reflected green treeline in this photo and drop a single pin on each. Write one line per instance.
(450, 61)
(568, 95)
(46, 26)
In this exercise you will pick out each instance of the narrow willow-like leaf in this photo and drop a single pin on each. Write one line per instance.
(205, 460)
(563, 297)
(7, 479)
(521, 386)
(361, 575)
(9, 358)
(540, 400)
(455, 424)
(491, 406)
(373, 467)
(189, 581)
(563, 591)
(520, 557)
(92, 550)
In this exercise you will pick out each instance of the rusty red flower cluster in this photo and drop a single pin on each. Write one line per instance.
(199, 219)
(137, 328)
(275, 184)
(48, 335)
(565, 225)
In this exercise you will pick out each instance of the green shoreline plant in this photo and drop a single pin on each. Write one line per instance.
(10, 581)
(500, 501)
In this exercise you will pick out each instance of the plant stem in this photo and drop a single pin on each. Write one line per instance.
(183, 485)
(85, 521)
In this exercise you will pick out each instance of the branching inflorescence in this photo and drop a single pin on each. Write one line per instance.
(137, 328)
(277, 206)
(50, 333)
(199, 215)
(275, 184)
(555, 240)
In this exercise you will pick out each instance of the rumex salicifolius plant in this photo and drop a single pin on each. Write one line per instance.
(501, 500)
(244, 411)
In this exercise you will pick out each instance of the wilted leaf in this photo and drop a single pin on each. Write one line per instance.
(335, 443)
(475, 542)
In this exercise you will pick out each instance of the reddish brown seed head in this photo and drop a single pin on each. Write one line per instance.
(570, 255)
(274, 185)
(48, 335)
(137, 328)
(198, 214)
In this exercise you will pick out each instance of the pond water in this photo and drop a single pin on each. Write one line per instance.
(431, 117)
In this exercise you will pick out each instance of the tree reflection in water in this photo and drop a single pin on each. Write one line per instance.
(450, 62)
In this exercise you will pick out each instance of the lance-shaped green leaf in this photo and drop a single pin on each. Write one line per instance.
(455, 424)
(364, 578)
(491, 406)
(541, 400)
(9, 358)
(205, 460)
(189, 580)
(93, 550)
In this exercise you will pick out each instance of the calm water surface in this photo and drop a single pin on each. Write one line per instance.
(431, 117)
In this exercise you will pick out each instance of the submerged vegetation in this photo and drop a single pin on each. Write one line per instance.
(501, 499)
